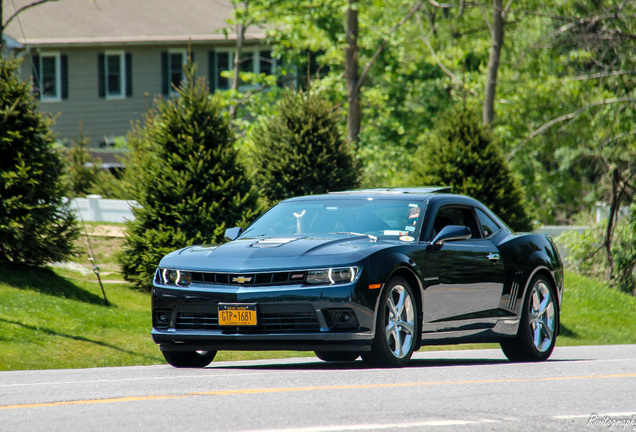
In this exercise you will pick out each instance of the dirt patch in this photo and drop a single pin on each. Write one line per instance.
(105, 230)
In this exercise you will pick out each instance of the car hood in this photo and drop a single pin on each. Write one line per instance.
(269, 253)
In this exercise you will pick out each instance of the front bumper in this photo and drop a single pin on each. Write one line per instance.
(290, 317)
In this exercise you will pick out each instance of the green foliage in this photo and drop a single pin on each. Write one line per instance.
(84, 180)
(36, 226)
(81, 178)
(112, 185)
(587, 253)
(584, 251)
(624, 254)
(461, 153)
(187, 178)
(301, 150)
(572, 76)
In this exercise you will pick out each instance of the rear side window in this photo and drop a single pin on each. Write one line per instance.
(489, 226)
(455, 215)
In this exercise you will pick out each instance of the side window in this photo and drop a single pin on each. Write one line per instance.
(489, 226)
(252, 61)
(453, 215)
(50, 76)
(114, 74)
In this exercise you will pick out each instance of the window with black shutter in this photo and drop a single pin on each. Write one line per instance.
(252, 61)
(114, 74)
(172, 62)
(50, 76)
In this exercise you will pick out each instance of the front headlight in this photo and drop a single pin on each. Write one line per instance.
(332, 275)
(175, 277)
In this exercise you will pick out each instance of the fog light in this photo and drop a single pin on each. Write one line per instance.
(343, 318)
(161, 318)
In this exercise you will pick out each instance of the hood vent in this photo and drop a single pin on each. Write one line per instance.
(273, 242)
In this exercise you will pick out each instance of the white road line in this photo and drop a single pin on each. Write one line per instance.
(368, 427)
(587, 416)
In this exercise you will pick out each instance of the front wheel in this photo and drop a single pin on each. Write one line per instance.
(189, 359)
(396, 326)
(538, 326)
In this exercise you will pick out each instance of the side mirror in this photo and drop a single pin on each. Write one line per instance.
(452, 233)
(233, 233)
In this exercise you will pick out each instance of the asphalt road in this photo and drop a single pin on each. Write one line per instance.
(578, 389)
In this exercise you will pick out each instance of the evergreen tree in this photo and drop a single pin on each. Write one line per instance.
(81, 178)
(301, 151)
(36, 226)
(461, 153)
(186, 176)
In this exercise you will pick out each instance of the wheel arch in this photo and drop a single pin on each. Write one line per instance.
(410, 275)
(549, 274)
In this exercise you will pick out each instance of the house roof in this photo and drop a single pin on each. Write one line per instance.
(103, 22)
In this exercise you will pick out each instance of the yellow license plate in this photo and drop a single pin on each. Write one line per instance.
(237, 315)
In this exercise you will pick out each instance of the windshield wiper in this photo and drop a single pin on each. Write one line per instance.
(372, 237)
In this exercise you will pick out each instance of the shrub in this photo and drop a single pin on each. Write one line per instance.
(587, 253)
(185, 174)
(301, 151)
(81, 178)
(624, 253)
(36, 226)
(461, 153)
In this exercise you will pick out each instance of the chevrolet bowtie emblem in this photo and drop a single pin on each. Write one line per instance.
(241, 279)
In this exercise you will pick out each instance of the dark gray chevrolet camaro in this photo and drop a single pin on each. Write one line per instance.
(373, 273)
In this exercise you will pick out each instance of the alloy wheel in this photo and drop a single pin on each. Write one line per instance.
(542, 316)
(400, 321)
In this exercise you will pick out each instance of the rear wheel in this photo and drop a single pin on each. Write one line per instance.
(337, 356)
(538, 326)
(395, 330)
(189, 359)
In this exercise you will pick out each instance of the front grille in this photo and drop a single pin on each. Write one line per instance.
(286, 321)
(250, 279)
(299, 321)
(197, 321)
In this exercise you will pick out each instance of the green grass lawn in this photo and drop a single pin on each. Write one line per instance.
(56, 318)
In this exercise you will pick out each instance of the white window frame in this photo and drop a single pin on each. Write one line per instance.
(184, 59)
(122, 75)
(57, 97)
(256, 64)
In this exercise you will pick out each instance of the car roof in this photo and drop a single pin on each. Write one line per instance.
(411, 193)
(424, 190)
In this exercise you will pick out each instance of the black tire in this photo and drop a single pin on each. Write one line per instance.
(396, 326)
(538, 326)
(189, 359)
(337, 356)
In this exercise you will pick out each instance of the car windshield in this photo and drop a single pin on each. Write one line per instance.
(374, 217)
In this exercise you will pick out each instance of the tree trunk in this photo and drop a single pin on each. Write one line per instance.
(497, 37)
(615, 203)
(238, 53)
(1, 28)
(354, 114)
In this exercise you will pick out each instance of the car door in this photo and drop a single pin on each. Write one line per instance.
(470, 273)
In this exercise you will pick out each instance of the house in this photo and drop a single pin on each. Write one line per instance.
(97, 65)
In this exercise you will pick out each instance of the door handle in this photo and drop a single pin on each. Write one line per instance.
(493, 256)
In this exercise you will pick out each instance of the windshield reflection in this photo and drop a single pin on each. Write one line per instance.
(375, 218)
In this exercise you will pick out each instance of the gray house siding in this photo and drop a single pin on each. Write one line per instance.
(102, 118)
